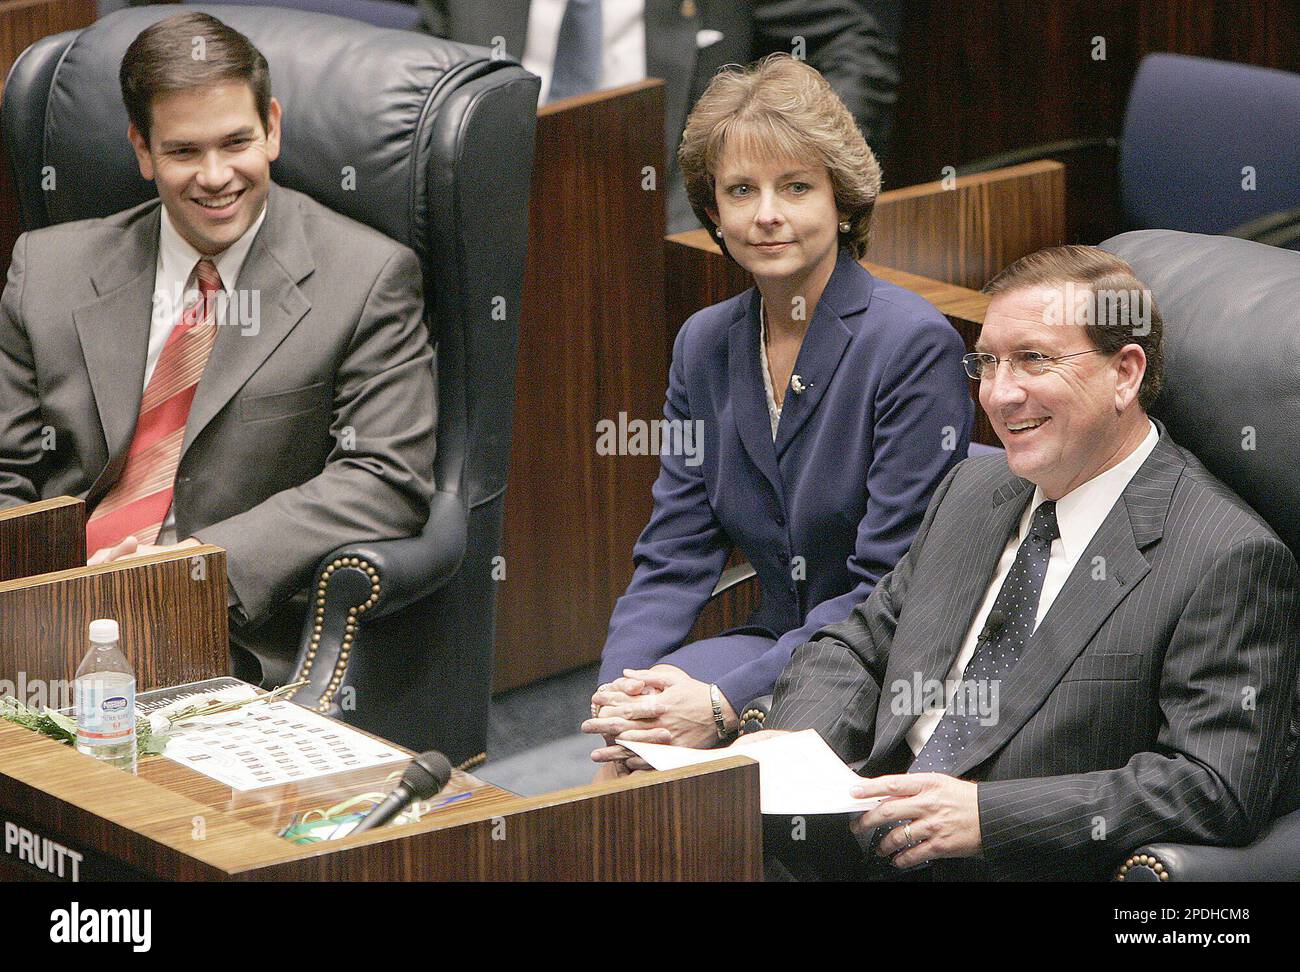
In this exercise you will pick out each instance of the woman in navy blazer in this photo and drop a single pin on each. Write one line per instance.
(831, 404)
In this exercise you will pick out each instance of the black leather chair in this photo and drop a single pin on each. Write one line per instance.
(398, 637)
(1232, 398)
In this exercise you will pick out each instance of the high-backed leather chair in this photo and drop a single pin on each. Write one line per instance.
(437, 139)
(1232, 398)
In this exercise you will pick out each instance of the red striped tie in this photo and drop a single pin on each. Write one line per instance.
(138, 503)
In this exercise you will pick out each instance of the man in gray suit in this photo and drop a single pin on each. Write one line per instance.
(854, 43)
(1090, 645)
(232, 363)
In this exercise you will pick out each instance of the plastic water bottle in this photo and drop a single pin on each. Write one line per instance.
(105, 697)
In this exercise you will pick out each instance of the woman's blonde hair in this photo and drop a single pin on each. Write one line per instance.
(781, 108)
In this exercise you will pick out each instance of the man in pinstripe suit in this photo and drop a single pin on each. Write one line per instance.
(1090, 645)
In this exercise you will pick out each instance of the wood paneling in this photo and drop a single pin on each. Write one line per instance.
(968, 231)
(651, 826)
(590, 347)
(42, 537)
(171, 608)
(981, 78)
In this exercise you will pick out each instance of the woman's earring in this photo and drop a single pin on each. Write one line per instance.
(718, 231)
(845, 226)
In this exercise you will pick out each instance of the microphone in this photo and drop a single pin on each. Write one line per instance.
(994, 624)
(426, 775)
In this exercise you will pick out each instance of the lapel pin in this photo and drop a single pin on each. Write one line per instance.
(797, 385)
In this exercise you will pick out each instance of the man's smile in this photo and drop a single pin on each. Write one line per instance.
(1024, 427)
(218, 206)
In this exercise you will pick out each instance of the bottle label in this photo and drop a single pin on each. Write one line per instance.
(105, 711)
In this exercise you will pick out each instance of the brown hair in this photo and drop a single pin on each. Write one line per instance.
(1103, 274)
(187, 51)
(786, 109)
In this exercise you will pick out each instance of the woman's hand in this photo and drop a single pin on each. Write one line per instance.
(624, 706)
(619, 692)
(663, 698)
(626, 760)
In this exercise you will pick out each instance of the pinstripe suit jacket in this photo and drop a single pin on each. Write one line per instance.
(1153, 701)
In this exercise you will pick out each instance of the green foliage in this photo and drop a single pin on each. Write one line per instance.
(63, 728)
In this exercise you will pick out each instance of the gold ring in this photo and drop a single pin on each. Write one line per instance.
(907, 834)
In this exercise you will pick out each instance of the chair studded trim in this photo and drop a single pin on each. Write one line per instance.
(1149, 862)
(349, 630)
(472, 762)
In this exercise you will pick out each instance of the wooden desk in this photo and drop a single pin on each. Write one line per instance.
(171, 607)
(42, 537)
(698, 824)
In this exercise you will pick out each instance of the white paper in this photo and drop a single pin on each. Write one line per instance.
(267, 745)
(798, 774)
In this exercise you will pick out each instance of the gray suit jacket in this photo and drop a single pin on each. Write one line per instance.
(1152, 703)
(311, 429)
(854, 43)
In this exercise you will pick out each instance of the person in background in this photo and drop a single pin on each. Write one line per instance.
(829, 405)
(576, 46)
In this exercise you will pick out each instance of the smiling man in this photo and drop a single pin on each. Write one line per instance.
(231, 363)
(1132, 621)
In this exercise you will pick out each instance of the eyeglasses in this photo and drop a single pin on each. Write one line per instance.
(982, 365)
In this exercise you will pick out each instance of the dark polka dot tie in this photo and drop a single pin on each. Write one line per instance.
(998, 649)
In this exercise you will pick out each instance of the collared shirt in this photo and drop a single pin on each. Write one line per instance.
(175, 266)
(623, 31)
(1079, 514)
(176, 262)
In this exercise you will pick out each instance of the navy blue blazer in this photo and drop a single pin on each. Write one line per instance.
(886, 413)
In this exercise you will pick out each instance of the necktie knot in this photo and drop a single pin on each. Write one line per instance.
(1044, 525)
(208, 278)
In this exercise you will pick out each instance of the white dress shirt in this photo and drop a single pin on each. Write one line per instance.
(623, 31)
(1079, 514)
(176, 262)
(773, 409)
